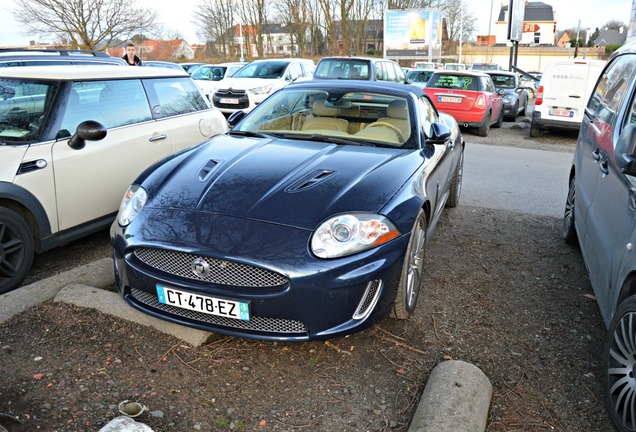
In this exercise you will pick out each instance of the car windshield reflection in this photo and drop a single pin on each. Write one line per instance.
(360, 118)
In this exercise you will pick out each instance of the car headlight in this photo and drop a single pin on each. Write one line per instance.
(509, 98)
(134, 200)
(348, 234)
(261, 90)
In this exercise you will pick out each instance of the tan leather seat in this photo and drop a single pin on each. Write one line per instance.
(398, 115)
(324, 119)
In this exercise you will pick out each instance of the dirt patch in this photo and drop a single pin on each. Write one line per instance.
(502, 292)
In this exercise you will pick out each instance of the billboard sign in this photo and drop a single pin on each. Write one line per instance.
(516, 12)
(412, 34)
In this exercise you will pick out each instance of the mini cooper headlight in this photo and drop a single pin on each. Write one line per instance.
(261, 90)
(134, 200)
(348, 234)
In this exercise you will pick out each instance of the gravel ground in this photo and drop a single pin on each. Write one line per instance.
(502, 292)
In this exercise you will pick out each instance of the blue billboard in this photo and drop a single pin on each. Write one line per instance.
(413, 33)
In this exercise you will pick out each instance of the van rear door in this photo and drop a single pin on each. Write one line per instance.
(567, 87)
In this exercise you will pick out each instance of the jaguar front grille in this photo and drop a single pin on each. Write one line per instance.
(219, 271)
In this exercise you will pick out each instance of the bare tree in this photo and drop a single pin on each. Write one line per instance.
(254, 14)
(85, 24)
(456, 11)
(215, 21)
(295, 15)
(614, 25)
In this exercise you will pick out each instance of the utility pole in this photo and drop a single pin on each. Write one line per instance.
(490, 17)
(461, 37)
(576, 45)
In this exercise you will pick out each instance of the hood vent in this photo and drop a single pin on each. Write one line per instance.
(206, 170)
(310, 180)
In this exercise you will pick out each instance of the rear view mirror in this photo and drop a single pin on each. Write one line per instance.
(440, 133)
(235, 117)
(89, 130)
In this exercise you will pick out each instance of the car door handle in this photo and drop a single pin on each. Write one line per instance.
(596, 154)
(157, 137)
(575, 96)
(604, 168)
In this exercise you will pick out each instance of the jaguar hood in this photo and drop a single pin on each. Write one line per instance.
(289, 182)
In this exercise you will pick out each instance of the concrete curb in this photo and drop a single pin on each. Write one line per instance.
(125, 424)
(99, 274)
(111, 303)
(456, 399)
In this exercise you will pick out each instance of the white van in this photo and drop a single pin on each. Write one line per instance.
(563, 93)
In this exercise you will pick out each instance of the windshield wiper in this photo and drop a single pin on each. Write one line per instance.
(250, 134)
(327, 139)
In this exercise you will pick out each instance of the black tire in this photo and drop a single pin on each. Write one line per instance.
(485, 127)
(534, 130)
(500, 120)
(513, 117)
(569, 229)
(456, 183)
(16, 249)
(412, 270)
(620, 359)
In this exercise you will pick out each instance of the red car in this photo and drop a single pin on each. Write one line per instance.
(470, 97)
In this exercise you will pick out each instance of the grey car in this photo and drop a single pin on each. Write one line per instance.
(600, 217)
(515, 96)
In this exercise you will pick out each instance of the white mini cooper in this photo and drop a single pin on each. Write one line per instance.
(72, 138)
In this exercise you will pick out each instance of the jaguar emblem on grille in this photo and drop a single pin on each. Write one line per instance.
(200, 268)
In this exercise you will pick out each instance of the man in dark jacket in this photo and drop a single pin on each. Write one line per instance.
(130, 56)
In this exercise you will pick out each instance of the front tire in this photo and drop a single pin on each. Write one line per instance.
(569, 229)
(412, 270)
(16, 249)
(620, 367)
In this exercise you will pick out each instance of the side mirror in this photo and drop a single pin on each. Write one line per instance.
(440, 133)
(235, 117)
(89, 130)
(626, 151)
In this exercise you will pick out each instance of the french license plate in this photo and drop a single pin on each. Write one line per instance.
(205, 304)
(230, 101)
(561, 113)
(449, 99)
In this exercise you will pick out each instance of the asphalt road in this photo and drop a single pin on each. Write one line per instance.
(521, 180)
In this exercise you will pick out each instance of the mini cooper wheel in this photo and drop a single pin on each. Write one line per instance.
(569, 230)
(456, 183)
(412, 270)
(485, 127)
(16, 249)
(620, 367)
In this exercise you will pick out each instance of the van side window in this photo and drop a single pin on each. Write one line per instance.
(612, 88)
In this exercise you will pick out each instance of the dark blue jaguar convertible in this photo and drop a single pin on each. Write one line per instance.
(308, 220)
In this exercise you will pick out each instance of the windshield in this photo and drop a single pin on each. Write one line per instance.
(334, 115)
(342, 69)
(209, 73)
(267, 70)
(419, 76)
(23, 105)
(503, 81)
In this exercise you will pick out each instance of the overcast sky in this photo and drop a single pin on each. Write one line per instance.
(176, 16)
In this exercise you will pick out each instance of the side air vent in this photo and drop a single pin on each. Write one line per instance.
(31, 166)
(310, 180)
(206, 170)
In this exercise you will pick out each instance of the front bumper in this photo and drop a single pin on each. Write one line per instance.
(319, 299)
